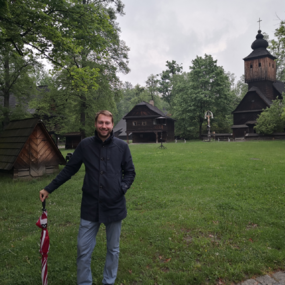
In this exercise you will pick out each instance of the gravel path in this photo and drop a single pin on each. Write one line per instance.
(278, 278)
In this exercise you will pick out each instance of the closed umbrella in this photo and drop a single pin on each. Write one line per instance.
(44, 247)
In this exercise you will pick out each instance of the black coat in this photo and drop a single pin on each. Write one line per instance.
(109, 173)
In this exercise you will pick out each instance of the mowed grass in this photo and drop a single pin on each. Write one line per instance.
(198, 213)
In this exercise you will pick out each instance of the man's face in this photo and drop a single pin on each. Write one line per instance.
(104, 126)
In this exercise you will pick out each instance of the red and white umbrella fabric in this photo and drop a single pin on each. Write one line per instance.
(44, 247)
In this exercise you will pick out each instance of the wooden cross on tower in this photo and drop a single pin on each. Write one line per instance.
(259, 22)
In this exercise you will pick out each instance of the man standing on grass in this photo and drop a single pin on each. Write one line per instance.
(109, 173)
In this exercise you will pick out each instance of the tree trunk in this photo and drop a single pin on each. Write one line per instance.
(200, 127)
(82, 116)
(83, 98)
(6, 90)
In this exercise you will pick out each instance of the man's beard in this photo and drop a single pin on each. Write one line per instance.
(104, 136)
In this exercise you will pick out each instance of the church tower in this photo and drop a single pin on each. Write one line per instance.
(260, 67)
(260, 75)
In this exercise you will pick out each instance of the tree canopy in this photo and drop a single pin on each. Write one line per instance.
(205, 87)
(271, 119)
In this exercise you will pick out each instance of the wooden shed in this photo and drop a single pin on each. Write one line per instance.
(72, 140)
(27, 149)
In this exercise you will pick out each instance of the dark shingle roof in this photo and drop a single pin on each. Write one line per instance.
(259, 48)
(13, 139)
(261, 95)
(153, 108)
(239, 126)
(122, 127)
(279, 86)
(260, 52)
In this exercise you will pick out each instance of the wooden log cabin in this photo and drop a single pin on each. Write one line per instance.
(260, 75)
(148, 124)
(27, 150)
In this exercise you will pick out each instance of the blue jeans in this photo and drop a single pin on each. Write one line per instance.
(86, 242)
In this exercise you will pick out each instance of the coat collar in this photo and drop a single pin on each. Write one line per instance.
(107, 141)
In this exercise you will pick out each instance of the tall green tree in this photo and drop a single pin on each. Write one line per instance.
(166, 81)
(59, 31)
(205, 87)
(152, 86)
(102, 91)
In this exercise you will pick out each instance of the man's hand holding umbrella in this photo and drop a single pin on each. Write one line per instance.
(43, 195)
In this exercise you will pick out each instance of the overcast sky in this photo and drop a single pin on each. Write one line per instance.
(161, 30)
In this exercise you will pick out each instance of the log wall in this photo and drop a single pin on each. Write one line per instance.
(260, 69)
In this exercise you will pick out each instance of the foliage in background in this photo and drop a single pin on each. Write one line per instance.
(271, 120)
(59, 31)
(205, 87)
(132, 95)
(167, 80)
(75, 104)
(16, 79)
(277, 48)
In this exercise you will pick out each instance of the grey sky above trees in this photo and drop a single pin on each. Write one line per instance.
(161, 30)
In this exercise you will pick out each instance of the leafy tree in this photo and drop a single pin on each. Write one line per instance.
(271, 120)
(16, 77)
(277, 48)
(152, 86)
(86, 95)
(60, 30)
(167, 80)
(205, 87)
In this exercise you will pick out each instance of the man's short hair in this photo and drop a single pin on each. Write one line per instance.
(104, 112)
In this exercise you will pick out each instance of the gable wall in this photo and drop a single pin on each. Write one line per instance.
(251, 101)
(37, 157)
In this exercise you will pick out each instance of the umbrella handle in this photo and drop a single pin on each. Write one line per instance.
(44, 205)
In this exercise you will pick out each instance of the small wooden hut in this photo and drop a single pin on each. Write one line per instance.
(27, 149)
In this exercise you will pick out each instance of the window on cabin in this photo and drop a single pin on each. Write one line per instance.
(154, 121)
(269, 64)
(144, 123)
(251, 66)
(134, 123)
(259, 64)
(272, 65)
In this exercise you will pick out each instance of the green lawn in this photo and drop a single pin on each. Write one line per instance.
(198, 213)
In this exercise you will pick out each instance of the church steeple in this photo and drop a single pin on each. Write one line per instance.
(260, 64)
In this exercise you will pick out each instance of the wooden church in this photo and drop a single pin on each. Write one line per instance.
(27, 150)
(148, 124)
(260, 75)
